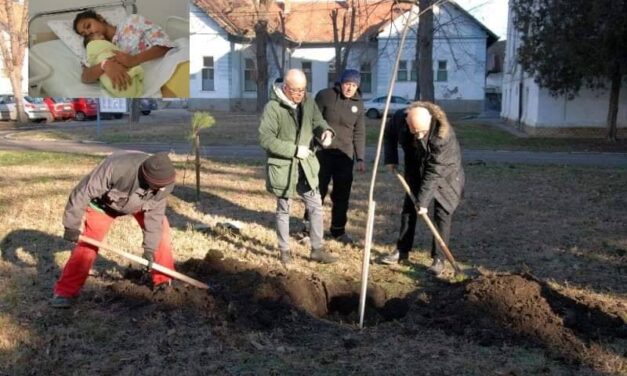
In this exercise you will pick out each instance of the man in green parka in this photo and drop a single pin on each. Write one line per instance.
(289, 122)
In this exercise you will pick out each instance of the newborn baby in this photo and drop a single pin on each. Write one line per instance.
(98, 51)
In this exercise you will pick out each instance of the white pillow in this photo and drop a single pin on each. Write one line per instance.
(64, 31)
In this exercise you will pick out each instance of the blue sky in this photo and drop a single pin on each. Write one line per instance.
(492, 13)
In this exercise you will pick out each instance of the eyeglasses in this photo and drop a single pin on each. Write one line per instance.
(295, 90)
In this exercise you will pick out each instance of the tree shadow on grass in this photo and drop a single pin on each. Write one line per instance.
(237, 239)
(33, 248)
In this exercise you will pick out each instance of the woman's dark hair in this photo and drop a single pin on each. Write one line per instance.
(86, 15)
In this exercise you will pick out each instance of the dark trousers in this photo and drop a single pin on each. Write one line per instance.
(441, 219)
(337, 167)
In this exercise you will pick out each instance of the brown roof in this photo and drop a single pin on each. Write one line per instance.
(308, 22)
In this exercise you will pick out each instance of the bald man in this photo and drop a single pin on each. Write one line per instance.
(290, 121)
(433, 170)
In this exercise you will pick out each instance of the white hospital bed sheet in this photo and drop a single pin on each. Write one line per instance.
(65, 80)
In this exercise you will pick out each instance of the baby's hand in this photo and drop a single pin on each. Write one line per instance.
(125, 59)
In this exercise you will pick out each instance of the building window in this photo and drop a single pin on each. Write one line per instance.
(402, 71)
(250, 75)
(208, 83)
(442, 71)
(331, 74)
(414, 71)
(366, 78)
(306, 67)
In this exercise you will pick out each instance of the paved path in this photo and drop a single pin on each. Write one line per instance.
(253, 152)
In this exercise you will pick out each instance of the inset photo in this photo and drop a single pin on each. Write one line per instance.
(124, 49)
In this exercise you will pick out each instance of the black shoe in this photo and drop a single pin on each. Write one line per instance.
(437, 267)
(344, 239)
(302, 236)
(59, 301)
(322, 256)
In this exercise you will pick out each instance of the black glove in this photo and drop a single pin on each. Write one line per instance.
(71, 234)
(150, 257)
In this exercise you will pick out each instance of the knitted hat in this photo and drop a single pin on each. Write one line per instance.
(351, 75)
(158, 170)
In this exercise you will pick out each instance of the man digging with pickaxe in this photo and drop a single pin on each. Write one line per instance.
(124, 183)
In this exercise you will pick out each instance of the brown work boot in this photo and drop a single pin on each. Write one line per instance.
(321, 256)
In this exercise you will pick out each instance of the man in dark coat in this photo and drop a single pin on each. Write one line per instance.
(433, 170)
(126, 182)
(342, 108)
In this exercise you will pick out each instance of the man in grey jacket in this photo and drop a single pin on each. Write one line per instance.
(124, 183)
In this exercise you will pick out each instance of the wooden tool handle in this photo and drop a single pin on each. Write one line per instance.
(425, 217)
(140, 260)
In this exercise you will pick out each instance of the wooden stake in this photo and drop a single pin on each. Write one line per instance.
(371, 203)
(366, 264)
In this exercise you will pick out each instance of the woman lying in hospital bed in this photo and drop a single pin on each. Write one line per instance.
(138, 40)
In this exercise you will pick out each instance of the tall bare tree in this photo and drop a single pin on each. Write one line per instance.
(262, 39)
(279, 40)
(424, 52)
(343, 22)
(13, 43)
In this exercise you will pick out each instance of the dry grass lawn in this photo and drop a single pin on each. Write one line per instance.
(564, 225)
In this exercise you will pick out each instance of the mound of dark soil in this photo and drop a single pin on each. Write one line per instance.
(491, 309)
(504, 308)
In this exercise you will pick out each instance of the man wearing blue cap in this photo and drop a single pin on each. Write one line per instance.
(342, 108)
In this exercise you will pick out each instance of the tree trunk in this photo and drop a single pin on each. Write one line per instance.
(135, 111)
(351, 34)
(261, 45)
(197, 148)
(425, 40)
(416, 66)
(16, 84)
(13, 47)
(612, 113)
(337, 44)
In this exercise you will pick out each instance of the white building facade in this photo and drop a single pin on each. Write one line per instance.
(223, 68)
(535, 111)
(459, 59)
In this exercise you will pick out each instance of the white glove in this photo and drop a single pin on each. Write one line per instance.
(327, 137)
(302, 152)
(422, 211)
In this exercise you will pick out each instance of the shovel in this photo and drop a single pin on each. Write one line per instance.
(160, 268)
(436, 234)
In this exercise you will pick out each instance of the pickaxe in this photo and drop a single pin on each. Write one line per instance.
(160, 268)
